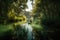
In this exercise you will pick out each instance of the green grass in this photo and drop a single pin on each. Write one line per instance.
(36, 26)
(4, 28)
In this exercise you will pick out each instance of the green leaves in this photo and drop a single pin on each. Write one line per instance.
(8, 5)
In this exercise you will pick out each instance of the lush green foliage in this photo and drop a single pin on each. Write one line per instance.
(10, 8)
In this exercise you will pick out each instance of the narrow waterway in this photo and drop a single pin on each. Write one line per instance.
(29, 30)
(24, 29)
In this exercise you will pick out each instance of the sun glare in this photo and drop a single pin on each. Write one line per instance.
(29, 6)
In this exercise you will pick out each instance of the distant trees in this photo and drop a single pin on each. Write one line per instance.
(11, 7)
(49, 11)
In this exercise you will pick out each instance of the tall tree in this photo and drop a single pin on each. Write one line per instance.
(49, 11)
(8, 5)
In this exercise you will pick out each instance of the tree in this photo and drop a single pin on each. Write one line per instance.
(49, 11)
(8, 5)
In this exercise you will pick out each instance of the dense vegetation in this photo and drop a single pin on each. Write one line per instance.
(46, 14)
